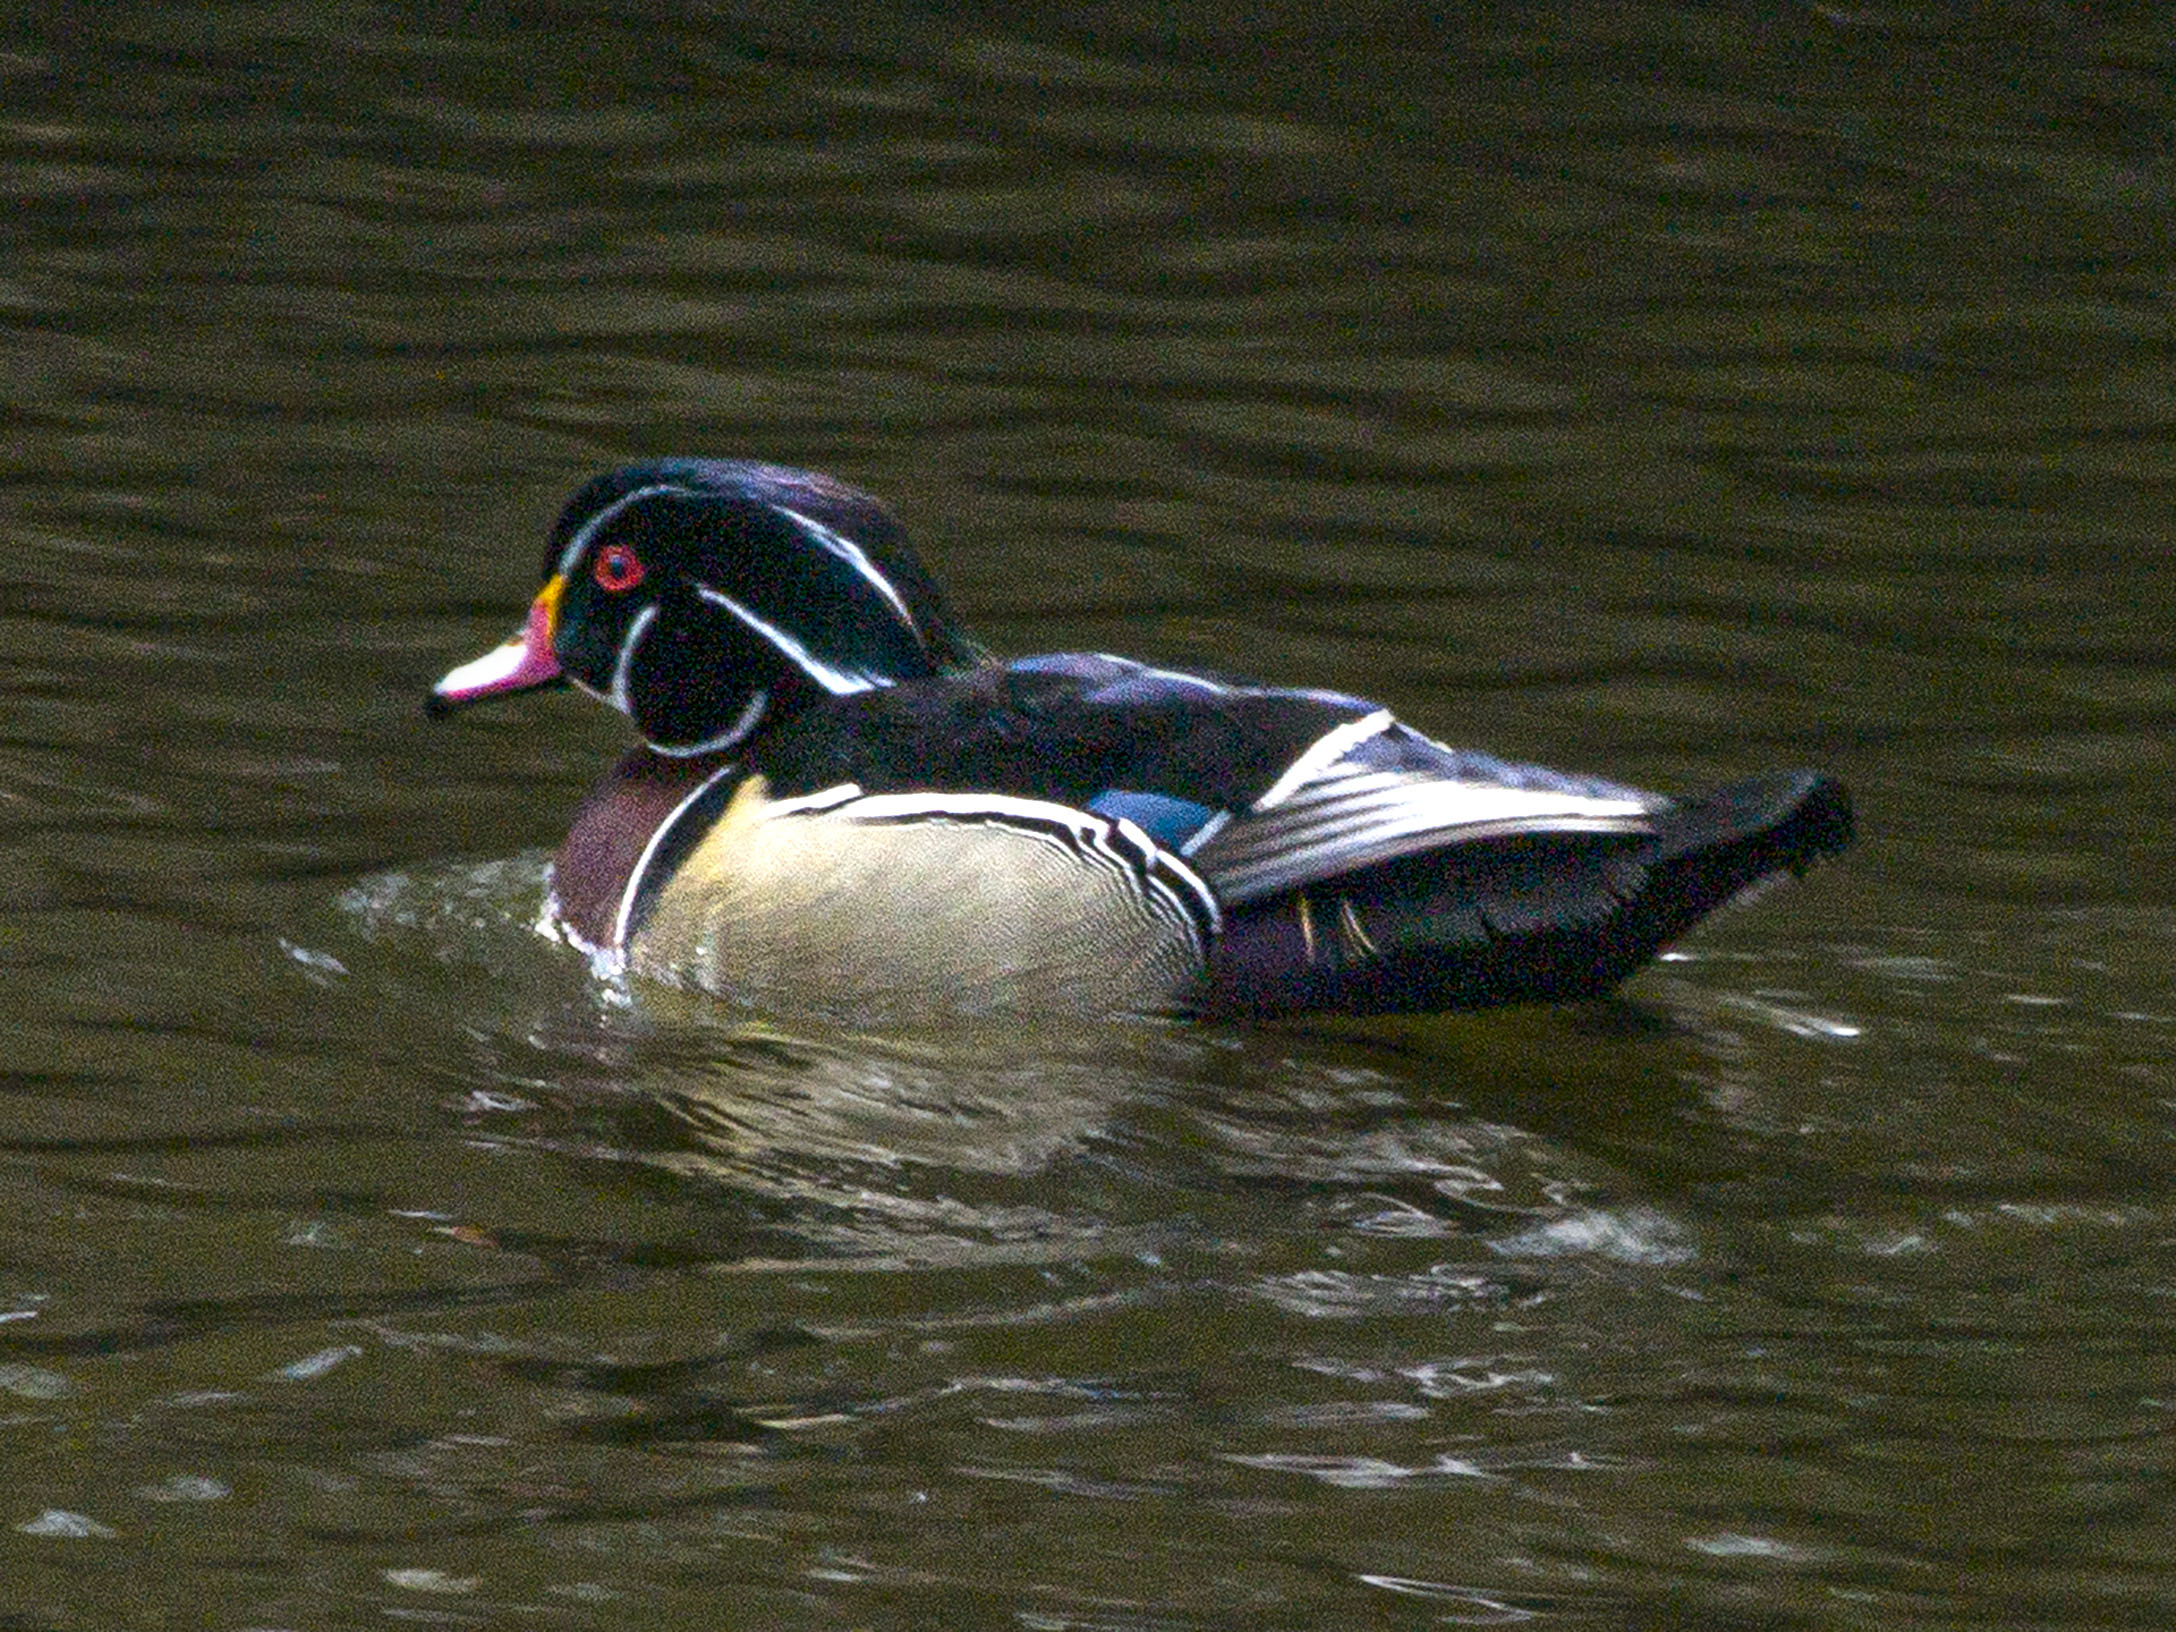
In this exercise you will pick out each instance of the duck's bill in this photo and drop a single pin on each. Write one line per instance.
(523, 664)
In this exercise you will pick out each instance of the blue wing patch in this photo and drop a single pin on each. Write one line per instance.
(1169, 822)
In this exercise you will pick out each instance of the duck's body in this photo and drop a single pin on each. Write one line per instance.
(841, 801)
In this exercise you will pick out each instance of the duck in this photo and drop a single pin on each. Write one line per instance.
(840, 799)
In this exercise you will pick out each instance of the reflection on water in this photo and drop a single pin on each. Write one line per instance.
(835, 1127)
(1671, 393)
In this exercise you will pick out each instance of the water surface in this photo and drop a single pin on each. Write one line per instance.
(1670, 395)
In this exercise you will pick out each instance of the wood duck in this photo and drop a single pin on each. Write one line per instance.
(841, 800)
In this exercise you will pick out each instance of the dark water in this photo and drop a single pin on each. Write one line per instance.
(1669, 394)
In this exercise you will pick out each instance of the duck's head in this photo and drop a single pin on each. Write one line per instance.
(703, 597)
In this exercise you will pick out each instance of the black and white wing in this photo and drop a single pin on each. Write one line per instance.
(1373, 790)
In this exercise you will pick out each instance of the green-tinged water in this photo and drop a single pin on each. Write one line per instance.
(1671, 394)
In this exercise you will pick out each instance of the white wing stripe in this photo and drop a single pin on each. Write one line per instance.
(1329, 842)
(1358, 818)
(1325, 751)
(1282, 870)
(821, 799)
(1451, 804)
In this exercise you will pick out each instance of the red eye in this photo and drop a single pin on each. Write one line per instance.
(618, 568)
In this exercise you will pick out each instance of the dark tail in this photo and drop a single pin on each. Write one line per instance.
(1539, 918)
(1711, 848)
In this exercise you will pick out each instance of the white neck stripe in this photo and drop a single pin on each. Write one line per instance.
(724, 739)
(621, 695)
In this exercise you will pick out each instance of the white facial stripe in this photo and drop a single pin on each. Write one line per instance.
(836, 681)
(622, 699)
(609, 514)
(1325, 751)
(625, 662)
(854, 556)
